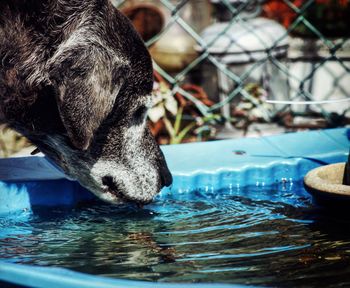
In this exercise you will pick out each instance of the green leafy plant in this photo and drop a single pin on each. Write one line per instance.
(175, 120)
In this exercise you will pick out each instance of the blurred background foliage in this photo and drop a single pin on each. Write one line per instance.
(237, 68)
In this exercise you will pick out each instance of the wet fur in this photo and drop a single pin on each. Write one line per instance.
(76, 79)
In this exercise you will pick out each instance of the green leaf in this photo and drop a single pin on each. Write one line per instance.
(178, 120)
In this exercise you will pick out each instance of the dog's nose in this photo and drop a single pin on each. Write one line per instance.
(165, 175)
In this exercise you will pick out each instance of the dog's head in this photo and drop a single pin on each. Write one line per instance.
(89, 116)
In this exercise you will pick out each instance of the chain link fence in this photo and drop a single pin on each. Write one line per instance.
(230, 64)
(233, 68)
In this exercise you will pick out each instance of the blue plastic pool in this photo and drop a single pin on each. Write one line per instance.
(31, 185)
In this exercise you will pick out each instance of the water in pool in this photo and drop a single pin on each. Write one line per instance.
(271, 236)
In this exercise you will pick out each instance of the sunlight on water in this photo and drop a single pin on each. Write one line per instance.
(268, 236)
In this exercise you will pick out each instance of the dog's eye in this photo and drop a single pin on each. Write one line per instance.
(140, 114)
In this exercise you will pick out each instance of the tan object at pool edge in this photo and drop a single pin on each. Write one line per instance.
(327, 180)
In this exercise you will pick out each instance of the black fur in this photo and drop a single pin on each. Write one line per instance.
(74, 77)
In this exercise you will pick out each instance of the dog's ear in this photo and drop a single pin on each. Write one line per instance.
(87, 82)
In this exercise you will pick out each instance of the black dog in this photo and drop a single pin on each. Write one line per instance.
(76, 79)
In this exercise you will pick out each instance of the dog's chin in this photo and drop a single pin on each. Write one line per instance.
(115, 196)
(112, 197)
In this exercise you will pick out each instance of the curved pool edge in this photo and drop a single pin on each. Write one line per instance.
(202, 166)
(288, 156)
(44, 277)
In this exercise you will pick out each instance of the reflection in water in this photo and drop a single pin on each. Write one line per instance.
(269, 236)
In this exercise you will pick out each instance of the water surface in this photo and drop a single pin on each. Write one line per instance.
(271, 236)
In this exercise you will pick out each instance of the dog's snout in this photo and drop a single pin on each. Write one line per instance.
(109, 182)
(120, 191)
(165, 175)
(114, 188)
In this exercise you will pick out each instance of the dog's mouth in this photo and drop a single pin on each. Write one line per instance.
(118, 194)
(112, 188)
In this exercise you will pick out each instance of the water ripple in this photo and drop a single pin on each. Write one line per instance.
(264, 236)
